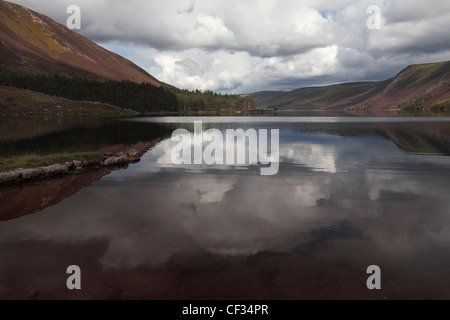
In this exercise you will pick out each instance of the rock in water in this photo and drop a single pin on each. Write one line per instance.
(77, 163)
(133, 153)
(9, 176)
(56, 169)
(32, 173)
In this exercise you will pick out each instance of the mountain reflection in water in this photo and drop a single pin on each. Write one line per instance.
(347, 196)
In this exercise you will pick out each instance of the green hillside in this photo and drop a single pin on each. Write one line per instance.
(417, 86)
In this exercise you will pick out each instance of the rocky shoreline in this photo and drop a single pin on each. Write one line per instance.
(71, 167)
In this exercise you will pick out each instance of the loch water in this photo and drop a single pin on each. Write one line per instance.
(350, 192)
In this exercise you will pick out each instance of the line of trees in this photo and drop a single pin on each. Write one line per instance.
(210, 101)
(126, 94)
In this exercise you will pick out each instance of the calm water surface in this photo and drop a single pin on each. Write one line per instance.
(350, 193)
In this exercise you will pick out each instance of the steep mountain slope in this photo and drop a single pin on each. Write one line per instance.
(424, 85)
(30, 39)
(416, 86)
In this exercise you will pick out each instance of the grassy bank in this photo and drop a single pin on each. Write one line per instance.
(32, 161)
(26, 102)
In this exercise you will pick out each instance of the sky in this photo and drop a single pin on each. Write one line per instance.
(236, 46)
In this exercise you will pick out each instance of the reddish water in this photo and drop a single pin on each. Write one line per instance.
(346, 196)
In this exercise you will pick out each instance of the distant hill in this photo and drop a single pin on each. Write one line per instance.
(417, 86)
(32, 40)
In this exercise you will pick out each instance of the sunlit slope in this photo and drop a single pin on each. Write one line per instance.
(30, 39)
(417, 86)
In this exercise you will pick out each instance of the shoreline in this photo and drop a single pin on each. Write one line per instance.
(113, 156)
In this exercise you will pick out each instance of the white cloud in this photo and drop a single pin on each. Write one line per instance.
(244, 46)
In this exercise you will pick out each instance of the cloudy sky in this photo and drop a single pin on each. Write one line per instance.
(233, 46)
